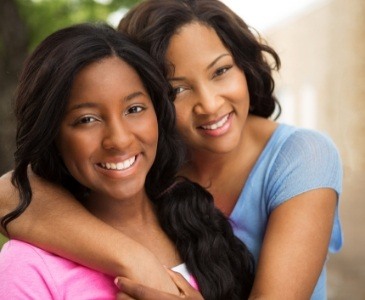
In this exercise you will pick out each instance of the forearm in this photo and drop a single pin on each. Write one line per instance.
(58, 223)
(63, 226)
(295, 247)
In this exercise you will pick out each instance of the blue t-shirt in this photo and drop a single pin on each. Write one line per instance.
(294, 161)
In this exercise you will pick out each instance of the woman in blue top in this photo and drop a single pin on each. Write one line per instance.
(279, 184)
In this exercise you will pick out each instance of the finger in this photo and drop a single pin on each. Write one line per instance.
(140, 292)
(187, 290)
(124, 296)
(180, 281)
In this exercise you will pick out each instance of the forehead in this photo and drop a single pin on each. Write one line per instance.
(104, 69)
(196, 43)
(107, 77)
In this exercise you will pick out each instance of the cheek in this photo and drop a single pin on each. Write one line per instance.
(185, 128)
(183, 115)
(148, 130)
(237, 85)
(75, 149)
(242, 88)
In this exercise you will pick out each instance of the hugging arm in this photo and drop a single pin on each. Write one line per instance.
(56, 222)
(305, 185)
(295, 246)
(132, 290)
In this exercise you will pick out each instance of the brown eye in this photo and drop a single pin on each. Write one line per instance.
(135, 109)
(85, 120)
(179, 90)
(221, 71)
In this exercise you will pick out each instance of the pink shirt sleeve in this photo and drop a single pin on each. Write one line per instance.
(22, 274)
(27, 272)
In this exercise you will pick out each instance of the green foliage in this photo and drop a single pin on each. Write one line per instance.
(46, 16)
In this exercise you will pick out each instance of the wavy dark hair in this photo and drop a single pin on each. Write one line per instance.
(153, 22)
(203, 236)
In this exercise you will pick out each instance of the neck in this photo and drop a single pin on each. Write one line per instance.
(136, 218)
(122, 214)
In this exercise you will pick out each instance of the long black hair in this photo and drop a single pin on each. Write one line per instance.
(152, 23)
(203, 236)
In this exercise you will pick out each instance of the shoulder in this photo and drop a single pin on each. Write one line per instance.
(298, 145)
(19, 252)
(304, 160)
(289, 136)
(23, 272)
(311, 139)
(29, 272)
(24, 254)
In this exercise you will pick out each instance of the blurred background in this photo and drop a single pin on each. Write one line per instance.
(321, 85)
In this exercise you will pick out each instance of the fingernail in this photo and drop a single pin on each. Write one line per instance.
(116, 281)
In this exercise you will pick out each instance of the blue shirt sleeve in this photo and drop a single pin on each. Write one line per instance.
(308, 160)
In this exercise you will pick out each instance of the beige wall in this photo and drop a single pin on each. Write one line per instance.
(322, 86)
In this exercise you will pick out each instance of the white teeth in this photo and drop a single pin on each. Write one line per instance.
(126, 164)
(120, 165)
(216, 125)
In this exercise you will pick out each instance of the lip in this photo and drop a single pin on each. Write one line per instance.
(214, 121)
(115, 173)
(218, 131)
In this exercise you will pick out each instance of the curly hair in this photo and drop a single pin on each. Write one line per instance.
(153, 22)
(220, 262)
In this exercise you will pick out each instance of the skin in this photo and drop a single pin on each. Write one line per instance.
(210, 86)
(136, 291)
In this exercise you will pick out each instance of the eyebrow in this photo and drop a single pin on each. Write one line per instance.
(216, 60)
(207, 68)
(133, 95)
(93, 104)
(82, 105)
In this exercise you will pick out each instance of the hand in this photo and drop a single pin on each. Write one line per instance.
(132, 290)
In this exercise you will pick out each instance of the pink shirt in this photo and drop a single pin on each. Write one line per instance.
(27, 272)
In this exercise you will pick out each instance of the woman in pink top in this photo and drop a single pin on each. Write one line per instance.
(94, 116)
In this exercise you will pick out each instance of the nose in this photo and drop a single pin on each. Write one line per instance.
(117, 135)
(208, 101)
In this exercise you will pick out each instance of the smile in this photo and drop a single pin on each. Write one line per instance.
(216, 125)
(119, 166)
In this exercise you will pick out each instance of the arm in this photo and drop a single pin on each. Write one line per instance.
(56, 222)
(140, 292)
(295, 246)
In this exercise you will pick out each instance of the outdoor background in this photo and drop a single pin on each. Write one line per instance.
(321, 85)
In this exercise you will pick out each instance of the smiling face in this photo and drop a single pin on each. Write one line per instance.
(212, 95)
(108, 136)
